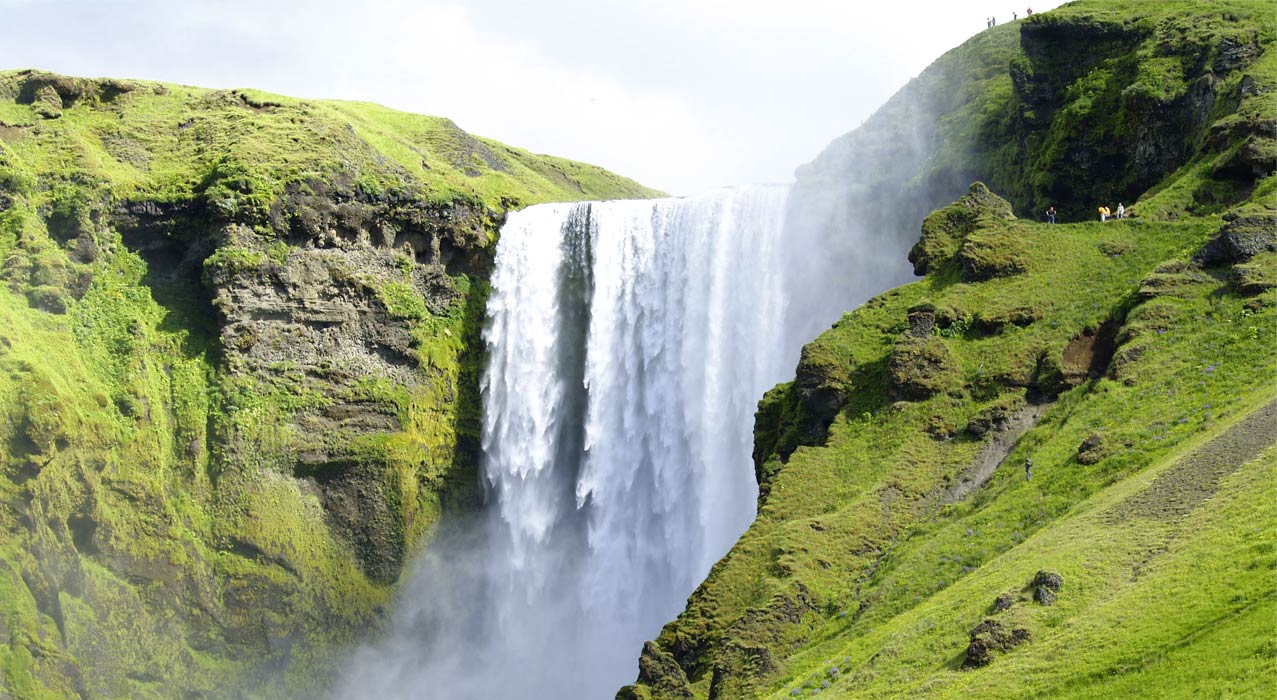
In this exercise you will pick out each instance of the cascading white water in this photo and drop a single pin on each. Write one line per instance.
(629, 343)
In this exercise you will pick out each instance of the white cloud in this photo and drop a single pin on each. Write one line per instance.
(679, 94)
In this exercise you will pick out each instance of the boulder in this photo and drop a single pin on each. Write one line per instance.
(988, 638)
(920, 368)
(1240, 239)
(1003, 602)
(1091, 450)
(944, 230)
(1046, 584)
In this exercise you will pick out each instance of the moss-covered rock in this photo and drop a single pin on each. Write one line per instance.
(945, 230)
(1240, 239)
(987, 639)
(920, 368)
(1257, 276)
(661, 675)
(1110, 330)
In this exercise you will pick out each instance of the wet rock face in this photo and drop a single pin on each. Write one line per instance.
(317, 305)
(323, 308)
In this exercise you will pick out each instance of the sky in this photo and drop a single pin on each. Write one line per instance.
(681, 95)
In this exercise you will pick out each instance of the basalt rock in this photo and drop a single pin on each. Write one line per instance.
(1091, 450)
(662, 674)
(1046, 585)
(1241, 239)
(331, 314)
(987, 639)
(823, 381)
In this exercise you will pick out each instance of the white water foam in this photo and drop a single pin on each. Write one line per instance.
(629, 343)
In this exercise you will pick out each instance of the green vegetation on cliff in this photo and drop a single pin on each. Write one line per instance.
(899, 549)
(239, 360)
(895, 508)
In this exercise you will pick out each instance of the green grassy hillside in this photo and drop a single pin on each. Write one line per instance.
(881, 543)
(899, 549)
(238, 372)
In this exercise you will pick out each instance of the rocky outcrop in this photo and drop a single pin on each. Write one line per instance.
(1240, 239)
(1092, 450)
(987, 639)
(661, 674)
(920, 368)
(1091, 104)
(239, 374)
(50, 93)
(1046, 584)
(944, 231)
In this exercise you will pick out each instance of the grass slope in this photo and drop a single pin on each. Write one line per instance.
(157, 141)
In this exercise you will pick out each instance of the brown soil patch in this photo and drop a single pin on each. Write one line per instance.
(1088, 354)
(13, 133)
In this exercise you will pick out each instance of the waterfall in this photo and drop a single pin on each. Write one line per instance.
(628, 344)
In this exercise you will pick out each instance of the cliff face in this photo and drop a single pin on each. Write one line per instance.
(239, 362)
(1089, 104)
(1037, 470)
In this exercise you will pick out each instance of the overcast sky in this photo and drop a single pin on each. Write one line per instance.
(682, 95)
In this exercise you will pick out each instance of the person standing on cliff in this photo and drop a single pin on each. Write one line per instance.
(1104, 214)
(1028, 470)
(1028, 12)
(1121, 211)
(1050, 214)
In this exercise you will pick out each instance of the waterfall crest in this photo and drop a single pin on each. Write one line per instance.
(628, 344)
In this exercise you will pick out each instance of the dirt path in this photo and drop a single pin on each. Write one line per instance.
(1195, 477)
(994, 452)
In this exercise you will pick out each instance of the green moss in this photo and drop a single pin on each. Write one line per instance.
(231, 260)
(1100, 102)
(402, 300)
